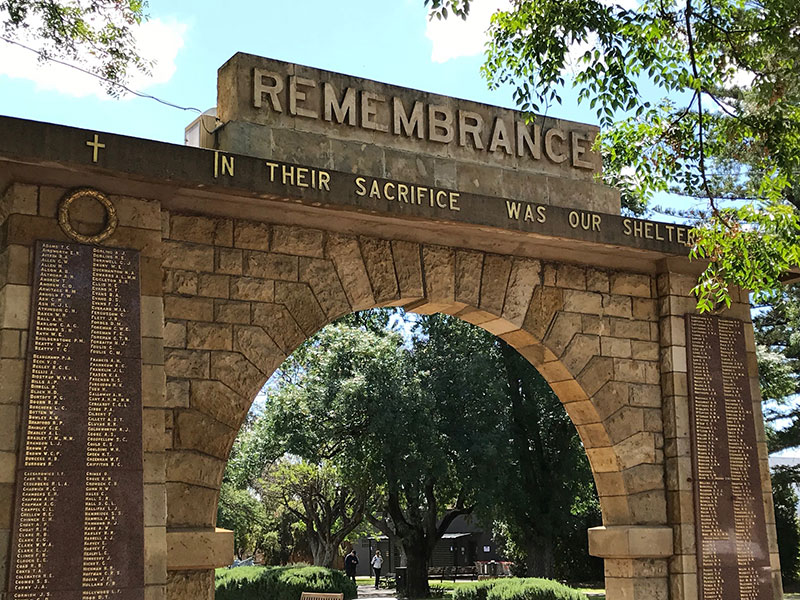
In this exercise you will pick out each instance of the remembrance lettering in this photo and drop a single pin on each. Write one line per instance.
(448, 201)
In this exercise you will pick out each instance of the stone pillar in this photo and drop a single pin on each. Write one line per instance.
(675, 302)
(29, 213)
(635, 560)
(15, 298)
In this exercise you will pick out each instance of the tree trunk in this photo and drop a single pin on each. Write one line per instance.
(539, 561)
(324, 553)
(417, 573)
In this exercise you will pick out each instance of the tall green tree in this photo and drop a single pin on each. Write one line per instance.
(696, 97)
(777, 333)
(548, 483)
(98, 29)
(329, 509)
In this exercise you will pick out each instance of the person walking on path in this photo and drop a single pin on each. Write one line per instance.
(350, 562)
(377, 563)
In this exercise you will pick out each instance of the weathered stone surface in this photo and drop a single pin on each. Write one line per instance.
(379, 263)
(201, 230)
(615, 305)
(252, 288)
(191, 506)
(186, 363)
(571, 276)
(579, 351)
(15, 303)
(193, 468)
(299, 241)
(545, 302)
(177, 393)
(469, 272)
(213, 286)
(636, 371)
(228, 261)
(278, 322)
(630, 284)
(219, 401)
(190, 585)
(251, 235)
(564, 328)
(597, 281)
(270, 266)
(231, 311)
(185, 255)
(300, 300)
(321, 276)
(611, 396)
(238, 373)
(196, 431)
(583, 302)
(195, 309)
(194, 550)
(258, 348)
(408, 266)
(439, 265)
(496, 270)
(346, 256)
(595, 374)
(522, 281)
(208, 336)
(174, 334)
(177, 281)
(615, 347)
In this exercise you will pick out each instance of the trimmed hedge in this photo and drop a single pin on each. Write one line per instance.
(280, 583)
(516, 589)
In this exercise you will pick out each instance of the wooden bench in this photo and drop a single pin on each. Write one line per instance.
(321, 596)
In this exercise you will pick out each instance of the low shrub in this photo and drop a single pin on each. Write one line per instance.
(517, 589)
(476, 590)
(280, 583)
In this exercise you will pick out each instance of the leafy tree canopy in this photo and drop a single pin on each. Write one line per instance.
(727, 127)
(79, 30)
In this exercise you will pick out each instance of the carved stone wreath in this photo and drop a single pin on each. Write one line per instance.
(111, 216)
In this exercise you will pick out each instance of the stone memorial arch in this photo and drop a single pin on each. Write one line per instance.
(147, 292)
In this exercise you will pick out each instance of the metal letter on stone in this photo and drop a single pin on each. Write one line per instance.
(78, 529)
(732, 551)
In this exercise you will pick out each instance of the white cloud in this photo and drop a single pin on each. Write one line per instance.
(454, 37)
(156, 40)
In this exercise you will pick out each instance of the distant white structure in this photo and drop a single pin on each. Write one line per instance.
(786, 461)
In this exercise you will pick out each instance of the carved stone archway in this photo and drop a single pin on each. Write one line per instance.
(242, 257)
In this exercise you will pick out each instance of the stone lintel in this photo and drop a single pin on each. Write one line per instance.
(196, 549)
(630, 541)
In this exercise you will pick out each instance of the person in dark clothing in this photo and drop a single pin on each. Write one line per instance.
(350, 562)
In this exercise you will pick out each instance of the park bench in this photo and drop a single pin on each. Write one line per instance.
(321, 596)
(467, 572)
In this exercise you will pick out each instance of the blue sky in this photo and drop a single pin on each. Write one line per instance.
(386, 40)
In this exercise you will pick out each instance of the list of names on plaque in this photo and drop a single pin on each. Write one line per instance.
(733, 557)
(78, 529)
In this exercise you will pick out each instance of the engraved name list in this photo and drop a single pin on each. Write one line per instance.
(78, 530)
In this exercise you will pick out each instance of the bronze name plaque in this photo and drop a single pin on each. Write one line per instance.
(733, 556)
(78, 528)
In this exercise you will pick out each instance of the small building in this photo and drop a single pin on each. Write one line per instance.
(464, 543)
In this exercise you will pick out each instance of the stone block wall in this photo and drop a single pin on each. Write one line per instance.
(675, 301)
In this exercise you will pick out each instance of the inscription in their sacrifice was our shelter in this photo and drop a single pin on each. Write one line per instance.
(733, 556)
(78, 530)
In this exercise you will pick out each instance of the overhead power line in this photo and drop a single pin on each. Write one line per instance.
(100, 77)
